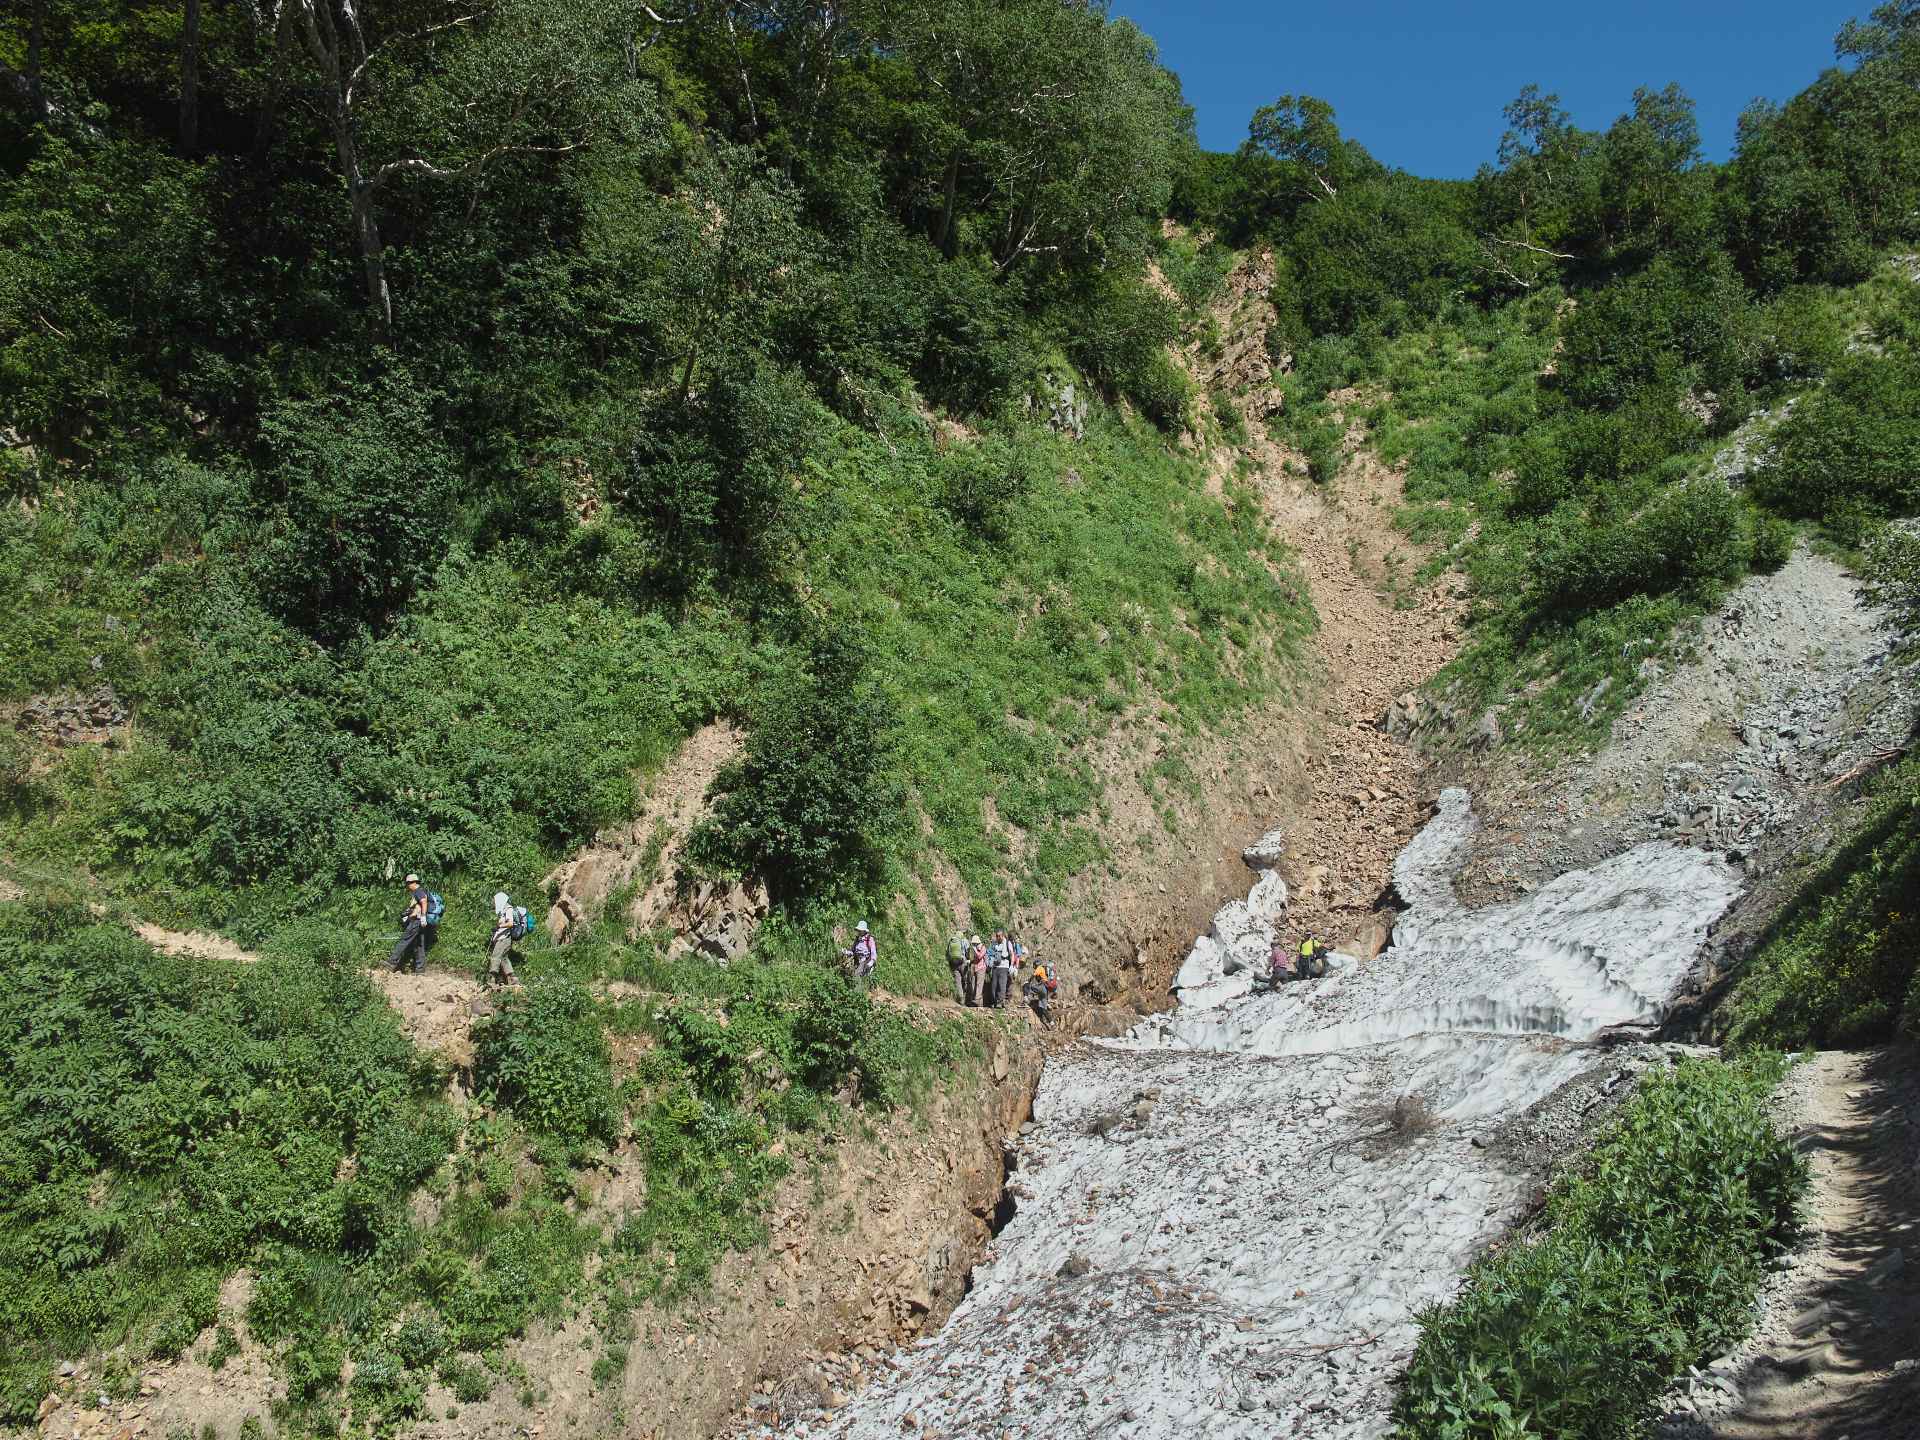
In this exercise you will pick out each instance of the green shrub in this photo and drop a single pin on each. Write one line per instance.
(358, 490)
(1675, 326)
(1773, 541)
(1195, 271)
(712, 475)
(976, 347)
(982, 484)
(816, 798)
(1850, 448)
(1892, 575)
(1693, 534)
(544, 1055)
(421, 1341)
(1650, 1257)
(1163, 392)
(1837, 966)
(1117, 329)
(467, 1378)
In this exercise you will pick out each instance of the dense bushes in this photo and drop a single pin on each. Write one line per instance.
(1682, 323)
(1850, 453)
(816, 797)
(544, 1056)
(357, 493)
(1650, 1256)
(1838, 966)
(164, 1120)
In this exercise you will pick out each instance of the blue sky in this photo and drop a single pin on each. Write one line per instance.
(1421, 84)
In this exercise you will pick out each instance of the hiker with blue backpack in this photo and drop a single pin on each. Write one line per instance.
(510, 923)
(416, 923)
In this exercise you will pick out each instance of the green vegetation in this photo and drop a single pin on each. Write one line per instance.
(166, 1120)
(1555, 349)
(1646, 1260)
(421, 420)
(417, 519)
(169, 1120)
(1840, 966)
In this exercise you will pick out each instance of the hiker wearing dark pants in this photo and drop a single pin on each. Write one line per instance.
(413, 929)
(1000, 959)
(1039, 999)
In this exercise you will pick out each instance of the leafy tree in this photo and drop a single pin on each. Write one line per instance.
(358, 491)
(817, 796)
(1532, 207)
(452, 96)
(1299, 131)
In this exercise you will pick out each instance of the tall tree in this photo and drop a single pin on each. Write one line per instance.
(448, 99)
(190, 78)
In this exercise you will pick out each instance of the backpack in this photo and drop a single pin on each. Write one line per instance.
(1048, 976)
(436, 907)
(956, 950)
(523, 923)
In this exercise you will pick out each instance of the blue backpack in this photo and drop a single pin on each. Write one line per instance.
(523, 923)
(435, 908)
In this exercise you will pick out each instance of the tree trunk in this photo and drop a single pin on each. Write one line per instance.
(190, 80)
(366, 225)
(36, 37)
(945, 238)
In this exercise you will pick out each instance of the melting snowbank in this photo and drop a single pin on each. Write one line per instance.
(1228, 1219)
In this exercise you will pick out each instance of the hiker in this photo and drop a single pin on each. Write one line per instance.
(509, 925)
(957, 963)
(864, 953)
(413, 927)
(1039, 998)
(1020, 952)
(1000, 959)
(976, 971)
(1311, 962)
(1049, 976)
(1279, 963)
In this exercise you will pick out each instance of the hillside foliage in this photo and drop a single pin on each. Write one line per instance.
(420, 418)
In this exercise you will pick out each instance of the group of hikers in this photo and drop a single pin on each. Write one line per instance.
(984, 975)
(1306, 961)
(420, 925)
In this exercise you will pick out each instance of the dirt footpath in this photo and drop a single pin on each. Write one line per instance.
(1835, 1353)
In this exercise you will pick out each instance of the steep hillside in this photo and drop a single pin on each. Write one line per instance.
(722, 473)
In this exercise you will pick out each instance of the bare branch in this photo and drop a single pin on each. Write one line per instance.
(1523, 245)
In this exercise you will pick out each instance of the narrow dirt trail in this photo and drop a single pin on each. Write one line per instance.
(1836, 1352)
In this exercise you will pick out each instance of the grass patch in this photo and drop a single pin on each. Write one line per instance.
(1840, 965)
(1646, 1260)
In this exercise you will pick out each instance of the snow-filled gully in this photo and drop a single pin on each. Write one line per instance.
(1229, 1217)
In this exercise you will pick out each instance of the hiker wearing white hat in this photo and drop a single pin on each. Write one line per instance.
(976, 972)
(508, 926)
(864, 953)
